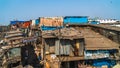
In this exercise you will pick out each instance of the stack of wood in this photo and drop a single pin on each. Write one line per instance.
(13, 39)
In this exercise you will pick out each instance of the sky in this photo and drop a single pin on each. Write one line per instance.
(24, 10)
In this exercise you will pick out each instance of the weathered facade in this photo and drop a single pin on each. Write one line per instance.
(64, 46)
(51, 21)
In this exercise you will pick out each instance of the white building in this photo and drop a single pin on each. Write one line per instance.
(107, 21)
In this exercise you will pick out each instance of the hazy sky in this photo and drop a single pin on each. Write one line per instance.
(32, 9)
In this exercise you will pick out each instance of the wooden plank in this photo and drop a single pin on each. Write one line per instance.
(63, 59)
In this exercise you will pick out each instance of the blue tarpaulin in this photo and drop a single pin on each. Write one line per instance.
(49, 28)
(37, 22)
(101, 62)
(94, 22)
(15, 22)
(75, 19)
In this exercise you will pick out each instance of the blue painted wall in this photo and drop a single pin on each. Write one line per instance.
(76, 19)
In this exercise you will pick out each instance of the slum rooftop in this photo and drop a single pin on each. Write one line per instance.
(93, 40)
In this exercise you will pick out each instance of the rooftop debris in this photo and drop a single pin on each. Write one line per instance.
(65, 33)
